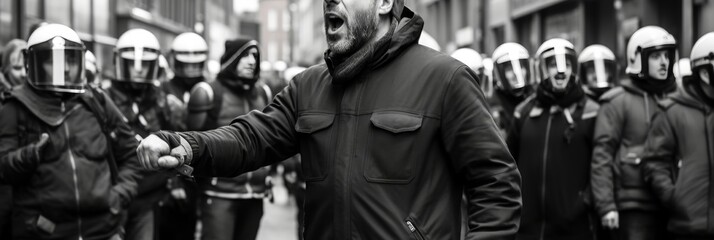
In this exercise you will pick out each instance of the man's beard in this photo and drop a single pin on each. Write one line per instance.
(359, 33)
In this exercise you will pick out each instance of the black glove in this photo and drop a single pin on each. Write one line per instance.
(173, 139)
(28, 157)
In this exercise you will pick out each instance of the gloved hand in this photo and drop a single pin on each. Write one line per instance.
(29, 156)
(611, 220)
(156, 153)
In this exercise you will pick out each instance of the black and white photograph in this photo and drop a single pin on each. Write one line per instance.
(356, 120)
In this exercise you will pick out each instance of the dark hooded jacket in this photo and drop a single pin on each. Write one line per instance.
(679, 161)
(67, 189)
(620, 133)
(552, 145)
(180, 88)
(147, 114)
(388, 147)
(503, 105)
(223, 100)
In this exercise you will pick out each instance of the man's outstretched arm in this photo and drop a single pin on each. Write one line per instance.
(251, 141)
(478, 152)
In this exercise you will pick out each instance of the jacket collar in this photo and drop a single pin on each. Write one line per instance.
(402, 35)
(632, 88)
(689, 96)
(51, 110)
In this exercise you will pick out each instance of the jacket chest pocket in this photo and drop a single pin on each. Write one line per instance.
(391, 144)
(316, 144)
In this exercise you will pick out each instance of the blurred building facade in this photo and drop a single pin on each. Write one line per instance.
(485, 24)
(309, 32)
(100, 22)
(292, 31)
(275, 35)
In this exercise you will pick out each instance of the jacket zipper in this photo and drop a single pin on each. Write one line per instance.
(711, 172)
(415, 230)
(74, 178)
(336, 124)
(647, 109)
(545, 165)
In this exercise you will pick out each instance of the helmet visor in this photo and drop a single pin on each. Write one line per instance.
(599, 73)
(706, 64)
(558, 67)
(59, 68)
(139, 65)
(513, 74)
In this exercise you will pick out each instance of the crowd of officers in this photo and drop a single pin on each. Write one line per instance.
(603, 157)
(68, 164)
(600, 157)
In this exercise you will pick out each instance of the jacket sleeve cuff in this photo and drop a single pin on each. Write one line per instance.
(190, 144)
(606, 210)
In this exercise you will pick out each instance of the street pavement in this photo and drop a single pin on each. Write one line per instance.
(280, 218)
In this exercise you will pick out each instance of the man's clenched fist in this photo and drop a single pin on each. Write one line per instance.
(155, 153)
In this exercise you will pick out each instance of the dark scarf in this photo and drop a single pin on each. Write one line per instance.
(653, 86)
(147, 94)
(597, 92)
(344, 69)
(237, 84)
(507, 97)
(564, 100)
(52, 108)
(696, 88)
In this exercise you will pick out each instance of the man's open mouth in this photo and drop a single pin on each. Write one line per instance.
(334, 22)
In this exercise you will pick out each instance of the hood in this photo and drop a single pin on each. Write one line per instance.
(690, 96)
(235, 50)
(49, 109)
(631, 87)
(403, 34)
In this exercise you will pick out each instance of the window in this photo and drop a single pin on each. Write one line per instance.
(499, 35)
(57, 11)
(286, 52)
(272, 52)
(465, 9)
(82, 16)
(286, 20)
(272, 20)
(6, 21)
(33, 8)
(102, 17)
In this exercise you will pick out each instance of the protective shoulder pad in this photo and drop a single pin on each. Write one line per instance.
(665, 103)
(518, 112)
(201, 98)
(590, 110)
(611, 94)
